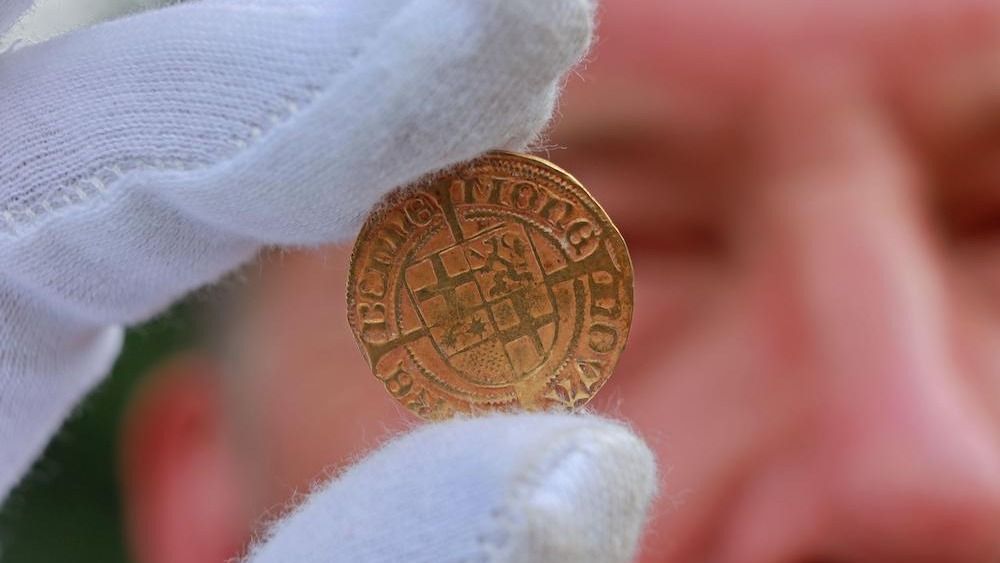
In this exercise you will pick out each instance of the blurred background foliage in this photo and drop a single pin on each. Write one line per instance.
(68, 508)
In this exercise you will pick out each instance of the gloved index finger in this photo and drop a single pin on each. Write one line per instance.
(208, 88)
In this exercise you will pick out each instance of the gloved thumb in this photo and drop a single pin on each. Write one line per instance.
(509, 488)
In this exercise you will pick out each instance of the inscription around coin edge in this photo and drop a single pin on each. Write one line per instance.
(578, 376)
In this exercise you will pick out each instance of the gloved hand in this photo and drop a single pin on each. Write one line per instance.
(145, 157)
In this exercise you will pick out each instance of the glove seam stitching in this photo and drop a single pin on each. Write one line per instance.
(14, 221)
(101, 182)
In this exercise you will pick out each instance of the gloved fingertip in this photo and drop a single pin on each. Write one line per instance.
(570, 24)
(588, 498)
(603, 452)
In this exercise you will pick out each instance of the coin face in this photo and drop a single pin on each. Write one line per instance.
(499, 285)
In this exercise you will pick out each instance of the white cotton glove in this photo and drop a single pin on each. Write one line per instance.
(145, 157)
(503, 489)
(10, 12)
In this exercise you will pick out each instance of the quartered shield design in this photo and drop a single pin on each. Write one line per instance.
(485, 304)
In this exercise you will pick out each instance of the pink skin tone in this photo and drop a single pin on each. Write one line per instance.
(811, 195)
(814, 213)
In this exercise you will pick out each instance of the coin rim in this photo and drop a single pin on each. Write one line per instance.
(390, 198)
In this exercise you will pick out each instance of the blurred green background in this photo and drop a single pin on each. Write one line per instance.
(68, 508)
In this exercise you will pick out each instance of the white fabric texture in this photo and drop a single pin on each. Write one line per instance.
(144, 157)
(49, 18)
(147, 156)
(11, 11)
(503, 489)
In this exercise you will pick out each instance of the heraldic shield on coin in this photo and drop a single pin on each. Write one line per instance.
(498, 285)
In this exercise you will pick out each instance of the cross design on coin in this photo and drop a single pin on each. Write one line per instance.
(498, 285)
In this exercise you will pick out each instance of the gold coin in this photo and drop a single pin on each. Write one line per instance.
(498, 285)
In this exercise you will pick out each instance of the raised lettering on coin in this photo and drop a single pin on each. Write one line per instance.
(499, 285)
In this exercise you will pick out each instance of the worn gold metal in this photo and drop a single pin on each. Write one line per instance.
(499, 285)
